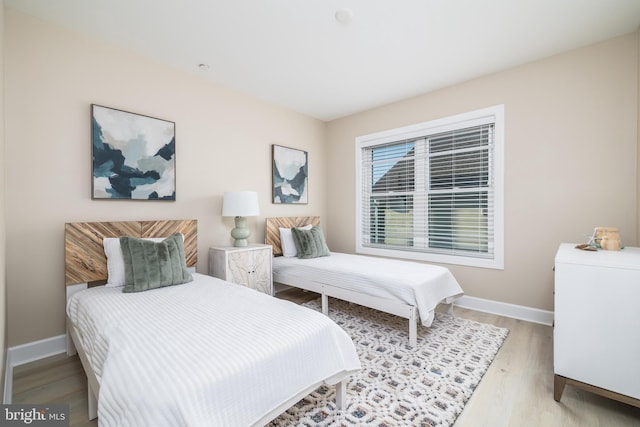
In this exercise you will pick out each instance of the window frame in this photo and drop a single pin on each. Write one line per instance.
(495, 115)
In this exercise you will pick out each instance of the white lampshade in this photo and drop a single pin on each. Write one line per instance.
(240, 203)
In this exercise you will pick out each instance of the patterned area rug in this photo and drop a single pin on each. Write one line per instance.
(398, 385)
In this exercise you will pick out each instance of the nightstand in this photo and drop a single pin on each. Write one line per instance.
(248, 266)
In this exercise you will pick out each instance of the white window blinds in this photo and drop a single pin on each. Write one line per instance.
(433, 193)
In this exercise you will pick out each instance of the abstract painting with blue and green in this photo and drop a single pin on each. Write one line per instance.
(133, 156)
(290, 175)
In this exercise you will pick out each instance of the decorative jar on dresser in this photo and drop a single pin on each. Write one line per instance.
(248, 266)
(596, 336)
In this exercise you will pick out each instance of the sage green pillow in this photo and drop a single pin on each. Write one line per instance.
(151, 265)
(310, 243)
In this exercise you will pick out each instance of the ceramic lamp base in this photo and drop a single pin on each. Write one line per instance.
(240, 233)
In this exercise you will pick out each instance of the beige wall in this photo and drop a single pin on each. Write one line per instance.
(571, 159)
(52, 76)
(571, 145)
(638, 167)
(3, 287)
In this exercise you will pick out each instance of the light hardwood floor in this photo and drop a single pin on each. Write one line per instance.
(517, 390)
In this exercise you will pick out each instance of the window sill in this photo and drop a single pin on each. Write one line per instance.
(497, 263)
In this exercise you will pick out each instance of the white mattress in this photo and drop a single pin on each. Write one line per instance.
(421, 285)
(206, 353)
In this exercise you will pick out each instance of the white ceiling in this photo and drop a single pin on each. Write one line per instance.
(295, 53)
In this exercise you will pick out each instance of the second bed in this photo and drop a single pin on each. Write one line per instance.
(403, 288)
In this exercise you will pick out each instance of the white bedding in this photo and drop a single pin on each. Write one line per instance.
(421, 285)
(206, 353)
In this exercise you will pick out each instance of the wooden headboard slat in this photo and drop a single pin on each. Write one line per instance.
(273, 225)
(85, 260)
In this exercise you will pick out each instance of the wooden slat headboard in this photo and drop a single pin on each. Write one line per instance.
(273, 225)
(84, 256)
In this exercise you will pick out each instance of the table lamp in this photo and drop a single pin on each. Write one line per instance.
(240, 204)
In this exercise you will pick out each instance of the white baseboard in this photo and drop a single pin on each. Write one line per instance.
(514, 311)
(30, 352)
(8, 381)
(36, 350)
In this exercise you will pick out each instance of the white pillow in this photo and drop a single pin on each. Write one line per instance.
(286, 241)
(115, 261)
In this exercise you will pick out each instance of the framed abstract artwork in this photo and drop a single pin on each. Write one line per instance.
(290, 175)
(134, 156)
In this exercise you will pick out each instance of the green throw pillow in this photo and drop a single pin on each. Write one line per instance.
(310, 243)
(150, 265)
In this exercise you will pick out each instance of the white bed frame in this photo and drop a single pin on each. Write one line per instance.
(80, 254)
(326, 290)
(74, 345)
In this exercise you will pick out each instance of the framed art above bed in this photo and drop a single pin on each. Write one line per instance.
(290, 175)
(133, 156)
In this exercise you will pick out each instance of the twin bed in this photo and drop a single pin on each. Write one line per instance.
(209, 352)
(407, 289)
(206, 352)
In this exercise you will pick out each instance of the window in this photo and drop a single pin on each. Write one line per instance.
(434, 191)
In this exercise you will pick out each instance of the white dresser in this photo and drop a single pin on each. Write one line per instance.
(248, 266)
(596, 337)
